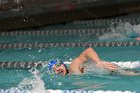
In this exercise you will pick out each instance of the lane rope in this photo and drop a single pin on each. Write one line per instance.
(22, 65)
(28, 65)
(58, 32)
(69, 44)
(133, 19)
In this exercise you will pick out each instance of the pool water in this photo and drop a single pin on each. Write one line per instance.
(87, 81)
(119, 33)
(42, 79)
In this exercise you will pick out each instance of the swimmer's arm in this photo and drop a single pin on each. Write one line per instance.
(91, 54)
(83, 57)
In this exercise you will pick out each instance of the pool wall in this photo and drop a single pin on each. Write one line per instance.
(15, 14)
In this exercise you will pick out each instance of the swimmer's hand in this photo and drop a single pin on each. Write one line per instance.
(108, 66)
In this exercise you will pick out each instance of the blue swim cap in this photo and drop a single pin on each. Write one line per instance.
(133, 35)
(52, 62)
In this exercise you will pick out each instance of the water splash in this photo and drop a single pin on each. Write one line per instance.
(124, 28)
(112, 36)
(35, 84)
(137, 29)
(121, 32)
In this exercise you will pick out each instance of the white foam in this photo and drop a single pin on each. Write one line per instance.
(137, 28)
(112, 36)
(128, 64)
(2, 91)
(35, 84)
(121, 32)
(12, 90)
(65, 91)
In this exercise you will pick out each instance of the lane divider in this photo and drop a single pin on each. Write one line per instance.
(58, 32)
(27, 65)
(133, 19)
(69, 44)
(22, 65)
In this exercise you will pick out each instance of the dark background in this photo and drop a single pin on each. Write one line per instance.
(15, 14)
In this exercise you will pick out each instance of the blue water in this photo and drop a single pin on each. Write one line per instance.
(106, 53)
(9, 79)
(122, 32)
(13, 77)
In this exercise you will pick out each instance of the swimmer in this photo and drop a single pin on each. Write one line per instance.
(134, 36)
(88, 54)
(137, 38)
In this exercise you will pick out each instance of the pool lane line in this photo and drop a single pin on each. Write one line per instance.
(132, 19)
(33, 64)
(69, 44)
(98, 31)
(107, 22)
(22, 65)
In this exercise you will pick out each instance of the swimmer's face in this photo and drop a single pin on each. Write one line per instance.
(61, 69)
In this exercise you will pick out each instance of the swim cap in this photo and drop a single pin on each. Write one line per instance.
(133, 35)
(52, 62)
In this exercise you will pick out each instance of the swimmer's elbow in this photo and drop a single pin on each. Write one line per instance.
(90, 49)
